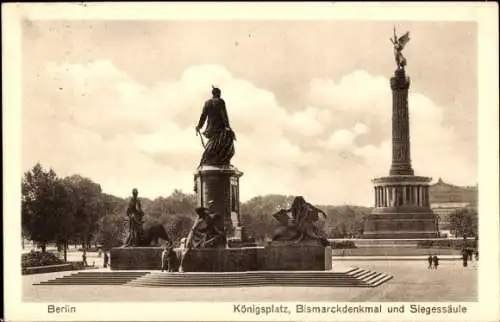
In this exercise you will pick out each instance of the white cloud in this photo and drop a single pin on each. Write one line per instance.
(360, 128)
(309, 122)
(341, 139)
(96, 120)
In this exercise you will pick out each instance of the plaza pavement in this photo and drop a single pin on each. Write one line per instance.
(412, 281)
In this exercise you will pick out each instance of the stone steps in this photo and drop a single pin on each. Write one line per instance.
(372, 278)
(352, 278)
(95, 278)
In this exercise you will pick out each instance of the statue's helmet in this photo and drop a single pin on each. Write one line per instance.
(216, 91)
(135, 192)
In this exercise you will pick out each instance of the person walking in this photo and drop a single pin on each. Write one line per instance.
(465, 257)
(435, 260)
(164, 257)
(106, 259)
(84, 258)
(429, 259)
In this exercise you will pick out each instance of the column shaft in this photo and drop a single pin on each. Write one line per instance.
(383, 197)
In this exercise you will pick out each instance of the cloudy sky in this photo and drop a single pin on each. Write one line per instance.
(310, 102)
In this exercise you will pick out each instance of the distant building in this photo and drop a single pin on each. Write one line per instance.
(446, 198)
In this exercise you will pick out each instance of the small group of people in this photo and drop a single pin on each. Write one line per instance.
(433, 261)
(105, 260)
(467, 254)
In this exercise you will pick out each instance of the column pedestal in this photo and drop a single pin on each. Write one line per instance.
(402, 217)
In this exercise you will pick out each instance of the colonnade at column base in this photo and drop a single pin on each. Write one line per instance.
(402, 209)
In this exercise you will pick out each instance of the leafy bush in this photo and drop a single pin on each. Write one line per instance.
(348, 244)
(35, 259)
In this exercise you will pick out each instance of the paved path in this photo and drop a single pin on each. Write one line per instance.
(394, 258)
(412, 282)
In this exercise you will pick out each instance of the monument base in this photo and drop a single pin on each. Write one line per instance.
(402, 209)
(136, 258)
(399, 224)
(273, 257)
(279, 256)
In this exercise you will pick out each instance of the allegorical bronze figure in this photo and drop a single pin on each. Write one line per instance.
(399, 45)
(207, 231)
(220, 146)
(301, 226)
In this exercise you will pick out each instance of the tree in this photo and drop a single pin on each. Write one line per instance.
(257, 214)
(88, 207)
(65, 213)
(111, 229)
(39, 195)
(463, 222)
(176, 212)
(346, 221)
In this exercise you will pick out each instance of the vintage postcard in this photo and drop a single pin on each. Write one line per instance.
(236, 162)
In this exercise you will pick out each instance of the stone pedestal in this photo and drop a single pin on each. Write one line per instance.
(221, 185)
(295, 257)
(135, 258)
(273, 257)
(402, 208)
(284, 257)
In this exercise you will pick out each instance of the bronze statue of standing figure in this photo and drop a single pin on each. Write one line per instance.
(220, 146)
(138, 235)
(134, 214)
(399, 45)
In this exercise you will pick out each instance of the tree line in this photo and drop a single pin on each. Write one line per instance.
(74, 210)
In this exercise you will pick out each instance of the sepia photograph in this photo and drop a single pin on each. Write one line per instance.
(300, 168)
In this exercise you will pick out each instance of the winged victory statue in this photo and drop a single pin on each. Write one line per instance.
(399, 45)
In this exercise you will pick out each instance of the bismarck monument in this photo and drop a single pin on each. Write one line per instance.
(216, 180)
(402, 208)
(218, 241)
